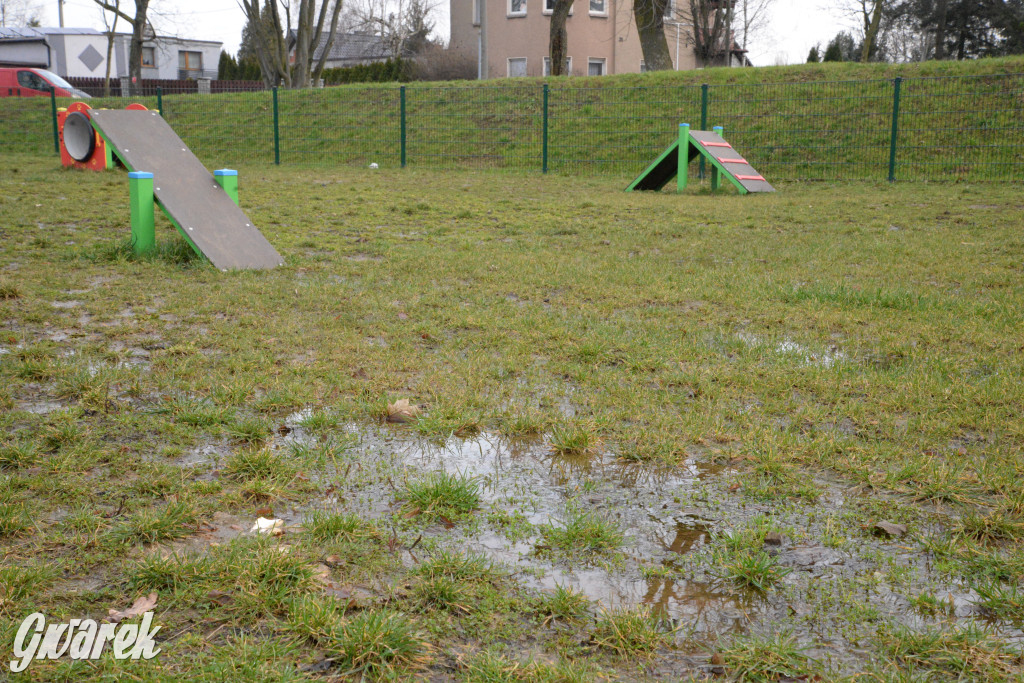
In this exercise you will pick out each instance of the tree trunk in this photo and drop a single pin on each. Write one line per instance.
(330, 40)
(110, 53)
(872, 33)
(558, 43)
(650, 25)
(940, 29)
(135, 51)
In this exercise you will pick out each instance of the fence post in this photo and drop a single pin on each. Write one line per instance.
(160, 100)
(53, 113)
(401, 99)
(895, 127)
(544, 144)
(277, 133)
(703, 121)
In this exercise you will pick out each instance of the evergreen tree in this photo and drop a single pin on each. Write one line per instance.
(813, 57)
(227, 68)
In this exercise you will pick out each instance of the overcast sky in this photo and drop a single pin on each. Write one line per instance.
(795, 26)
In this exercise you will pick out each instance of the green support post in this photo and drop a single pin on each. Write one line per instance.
(704, 96)
(401, 98)
(160, 100)
(53, 112)
(140, 197)
(682, 168)
(544, 150)
(897, 82)
(716, 176)
(277, 133)
(228, 179)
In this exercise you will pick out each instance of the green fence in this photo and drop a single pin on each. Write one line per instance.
(958, 128)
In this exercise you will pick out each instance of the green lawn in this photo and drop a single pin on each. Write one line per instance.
(655, 432)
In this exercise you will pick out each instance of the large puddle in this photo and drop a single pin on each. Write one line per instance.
(671, 519)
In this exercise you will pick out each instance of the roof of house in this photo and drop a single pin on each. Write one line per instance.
(24, 33)
(352, 47)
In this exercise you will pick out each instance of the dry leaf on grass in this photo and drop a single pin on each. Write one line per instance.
(402, 411)
(140, 606)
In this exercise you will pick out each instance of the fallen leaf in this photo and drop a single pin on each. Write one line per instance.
(333, 560)
(220, 597)
(402, 411)
(140, 606)
(889, 529)
(734, 488)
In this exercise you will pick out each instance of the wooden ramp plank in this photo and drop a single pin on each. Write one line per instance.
(714, 146)
(185, 189)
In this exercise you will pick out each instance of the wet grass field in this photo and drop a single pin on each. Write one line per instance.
(647, 436)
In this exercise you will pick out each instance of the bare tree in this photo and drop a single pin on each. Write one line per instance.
(405, 26)
(272, 43)
(712, 29)
(139, 23)
(871, 18)
(558, 41)
(18, 13)
(650, 25)
(752, 18)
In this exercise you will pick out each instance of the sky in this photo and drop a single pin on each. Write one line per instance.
(794, 26)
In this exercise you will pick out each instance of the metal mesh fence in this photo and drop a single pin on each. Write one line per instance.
(957, 128)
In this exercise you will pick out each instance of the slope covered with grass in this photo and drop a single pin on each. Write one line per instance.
(956, 120)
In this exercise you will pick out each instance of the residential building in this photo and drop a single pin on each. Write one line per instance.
(510, 37)
(348, 49)
(82, 52)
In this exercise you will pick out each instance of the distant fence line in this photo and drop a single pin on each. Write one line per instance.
(920, 129)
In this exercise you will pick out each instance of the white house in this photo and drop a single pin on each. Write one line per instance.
(82, 52)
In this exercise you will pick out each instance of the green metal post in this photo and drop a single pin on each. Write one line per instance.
(53, 112)
(703, 120)
(401, 99)
(140, 197)
(160, 100)
(544, 151)
(716, 176)
(895, 127)
(682, 168)
(277, 132)
(228, 179)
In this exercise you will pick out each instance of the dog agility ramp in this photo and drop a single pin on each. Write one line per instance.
(724, 161)
(185, 190)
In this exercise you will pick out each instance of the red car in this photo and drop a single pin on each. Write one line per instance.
(25, 82)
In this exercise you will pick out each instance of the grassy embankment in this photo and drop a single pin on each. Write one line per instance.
(826, 121)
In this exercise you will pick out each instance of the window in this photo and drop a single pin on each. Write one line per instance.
(517, 8)
(595, 67)
(643, 66)
(32, 81)
(516, 67)
(599, 7)
(148, 56)
(568, 66)
(190, 61)
(549, 7)
(668, 9)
